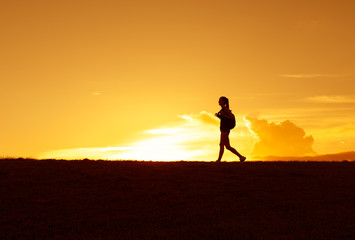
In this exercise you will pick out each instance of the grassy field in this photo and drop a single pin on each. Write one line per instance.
(180, 200)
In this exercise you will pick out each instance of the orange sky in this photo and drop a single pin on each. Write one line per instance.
(81, 76)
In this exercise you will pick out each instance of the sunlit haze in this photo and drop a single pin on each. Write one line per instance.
(141, 79)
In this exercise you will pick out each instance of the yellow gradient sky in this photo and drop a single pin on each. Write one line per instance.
(141, 79)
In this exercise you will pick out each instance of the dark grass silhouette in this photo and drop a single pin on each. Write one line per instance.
(180, 200)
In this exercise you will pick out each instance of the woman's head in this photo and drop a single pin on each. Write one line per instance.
(223, 102)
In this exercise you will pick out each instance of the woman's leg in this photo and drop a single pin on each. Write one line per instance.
(224, 137)
(225, 143)
(230, 148)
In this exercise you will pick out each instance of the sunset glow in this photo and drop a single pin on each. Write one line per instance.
(141, 80)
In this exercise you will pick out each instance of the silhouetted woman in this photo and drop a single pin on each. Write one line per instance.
(226, 117)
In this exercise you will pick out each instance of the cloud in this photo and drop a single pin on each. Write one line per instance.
(312, 24)
(97, 93)
(280, 139)
(163, 131)
(331, 99)
(196, 137)
(313, 75)
(80, 153)
(191, 138)
(203, 117)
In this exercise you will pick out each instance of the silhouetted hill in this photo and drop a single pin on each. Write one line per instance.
(342, 156)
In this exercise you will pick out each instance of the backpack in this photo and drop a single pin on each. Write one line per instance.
(231, 122)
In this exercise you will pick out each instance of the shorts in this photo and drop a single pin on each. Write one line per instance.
(224, 129)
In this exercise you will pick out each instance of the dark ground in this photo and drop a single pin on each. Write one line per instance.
(181, 200)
